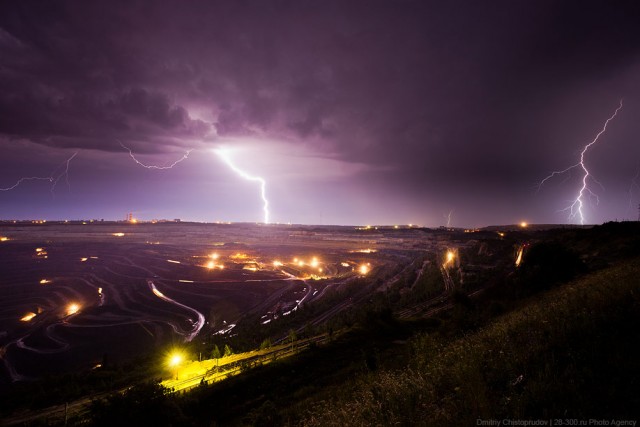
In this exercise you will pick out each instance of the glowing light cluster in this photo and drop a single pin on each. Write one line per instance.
(212, 264)
(42, 253)
(363, 269)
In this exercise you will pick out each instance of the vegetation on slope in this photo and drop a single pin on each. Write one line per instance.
(571, 353)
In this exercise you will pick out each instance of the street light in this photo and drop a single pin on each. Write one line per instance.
(175, 359)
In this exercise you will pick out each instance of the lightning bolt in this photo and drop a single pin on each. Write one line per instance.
(53, 178)
(575, 208)
(184, 157)
(448, 217)
(224, 155)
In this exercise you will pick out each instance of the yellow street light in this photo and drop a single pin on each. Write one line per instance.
(175, 359)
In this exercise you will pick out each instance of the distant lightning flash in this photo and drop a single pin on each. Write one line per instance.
(184, 157)
(448, 218)
(575, 208)
(263, 193)
(54, 177)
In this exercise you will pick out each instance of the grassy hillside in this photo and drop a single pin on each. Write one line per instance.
(571, 353)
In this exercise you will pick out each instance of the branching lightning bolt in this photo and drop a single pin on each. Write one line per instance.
(184, 157)
(575, 208)
(224, 155)
(53, 178)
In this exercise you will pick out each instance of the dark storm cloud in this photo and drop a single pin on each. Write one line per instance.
(361, 74)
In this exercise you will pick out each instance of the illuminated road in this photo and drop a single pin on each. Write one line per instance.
(197, 326)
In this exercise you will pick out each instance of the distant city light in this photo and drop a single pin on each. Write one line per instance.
(118, 234)
(449, 257)
(524, 224)
(72, 308)
(519, 256)
(27, 317)
(3, 239)
(363, 269)
(44, 281)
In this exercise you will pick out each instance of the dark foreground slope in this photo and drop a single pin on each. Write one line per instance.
(570, 353)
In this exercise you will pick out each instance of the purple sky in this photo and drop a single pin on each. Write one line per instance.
(354, 112)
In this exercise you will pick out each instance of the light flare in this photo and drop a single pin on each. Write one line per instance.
(27, 317)
(519, 255)
(224, 155)
(72, 308)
